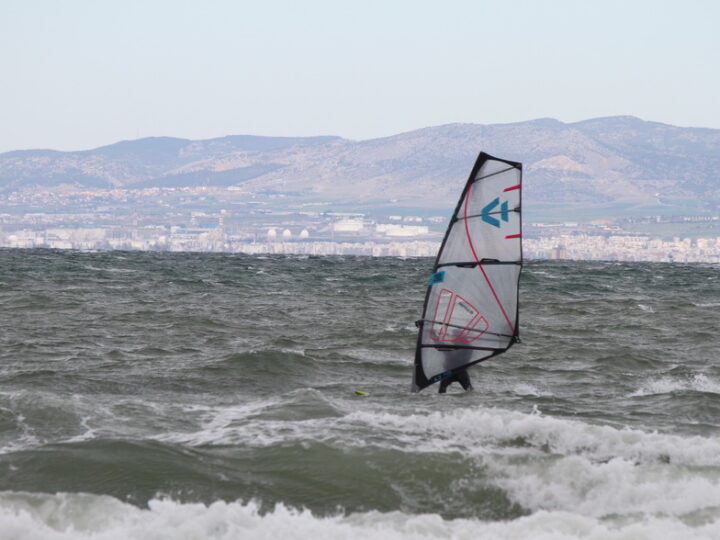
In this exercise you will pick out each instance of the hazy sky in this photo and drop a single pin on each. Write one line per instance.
(79, 74)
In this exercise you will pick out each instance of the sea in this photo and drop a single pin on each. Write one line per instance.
(213, 396)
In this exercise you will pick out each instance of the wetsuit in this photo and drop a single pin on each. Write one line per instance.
(460, 376)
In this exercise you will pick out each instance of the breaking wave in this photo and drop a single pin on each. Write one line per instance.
(63, 516)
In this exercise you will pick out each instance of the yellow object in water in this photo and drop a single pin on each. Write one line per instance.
(361, 393)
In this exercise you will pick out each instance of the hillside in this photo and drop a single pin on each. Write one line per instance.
(615, 160)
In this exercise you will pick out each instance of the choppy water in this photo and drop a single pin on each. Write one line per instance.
(211, 396)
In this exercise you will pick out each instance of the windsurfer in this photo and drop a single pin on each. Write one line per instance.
(460, 376)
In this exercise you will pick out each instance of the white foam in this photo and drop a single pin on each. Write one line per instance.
(482, 430)
(646, 308)
(89, 433)
(544, 273)
(476, 431)
(617, 487)
(78, 516)
(526, 389)
(249, 425)
(542, 463)
(666, 385)
(557, 464)
(26, 439)
(79, 418)
(378, 356)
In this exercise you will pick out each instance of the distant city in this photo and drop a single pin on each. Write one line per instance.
(170, 219)
(615, 188)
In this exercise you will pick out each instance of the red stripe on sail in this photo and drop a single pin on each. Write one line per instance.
(511, 188)
(509, 236)
(480, 265)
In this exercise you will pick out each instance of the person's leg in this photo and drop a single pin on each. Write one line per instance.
(444, 385)
(464, 379)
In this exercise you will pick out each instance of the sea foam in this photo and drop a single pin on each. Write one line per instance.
(666, 385)
(81, 516)
(541, 463)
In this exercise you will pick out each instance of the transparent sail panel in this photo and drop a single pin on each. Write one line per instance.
(487, 224)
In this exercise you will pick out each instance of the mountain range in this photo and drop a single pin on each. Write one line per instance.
(619, 160)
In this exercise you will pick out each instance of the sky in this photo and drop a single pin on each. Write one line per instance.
(80, 74)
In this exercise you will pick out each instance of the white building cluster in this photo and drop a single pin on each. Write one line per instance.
(209, 240)
(352, 236)
(623, 248)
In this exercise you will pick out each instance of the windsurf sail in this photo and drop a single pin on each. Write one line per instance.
(471, 305)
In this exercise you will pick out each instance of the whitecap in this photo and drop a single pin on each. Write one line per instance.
(540, 462)
(66, 516)
(475, 432)
(666, 385)
(481, 431)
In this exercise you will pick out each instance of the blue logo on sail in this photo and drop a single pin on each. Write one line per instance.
(487, 218)
(437, 277)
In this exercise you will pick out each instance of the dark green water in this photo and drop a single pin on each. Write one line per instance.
(165, 386)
